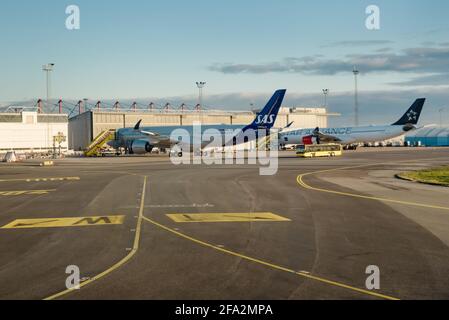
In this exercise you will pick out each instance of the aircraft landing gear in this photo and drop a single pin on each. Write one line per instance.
(176, 151)
(179, 154)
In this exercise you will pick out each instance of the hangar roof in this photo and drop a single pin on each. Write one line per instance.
(430, 131)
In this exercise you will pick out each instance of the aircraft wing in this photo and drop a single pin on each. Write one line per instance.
(324, 138)
(327, 138)
(149, 133)
(156, 139)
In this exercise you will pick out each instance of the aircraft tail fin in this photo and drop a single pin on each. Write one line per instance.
(267, 117)
(413, 113)
(137, 126)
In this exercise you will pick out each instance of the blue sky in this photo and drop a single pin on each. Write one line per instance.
(139, 49)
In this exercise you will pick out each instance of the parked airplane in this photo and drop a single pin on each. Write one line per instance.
(141, 140)
(353, 135)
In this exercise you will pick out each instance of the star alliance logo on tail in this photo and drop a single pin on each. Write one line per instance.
(412, 115)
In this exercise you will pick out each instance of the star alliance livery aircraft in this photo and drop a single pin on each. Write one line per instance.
(354, 135)
(141, 140)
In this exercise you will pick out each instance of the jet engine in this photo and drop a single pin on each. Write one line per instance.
(318, 138)
(408, 127)
(308, 140)
(140, 147)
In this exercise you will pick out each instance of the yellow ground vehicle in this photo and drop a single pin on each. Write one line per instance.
(319, 150)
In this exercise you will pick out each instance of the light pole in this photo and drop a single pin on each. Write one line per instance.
(356, 97)
(48, 68)
(200, 86)
(325, 92)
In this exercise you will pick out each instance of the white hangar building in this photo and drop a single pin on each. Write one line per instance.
(26, 131)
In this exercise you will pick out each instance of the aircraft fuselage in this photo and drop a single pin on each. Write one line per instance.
(346, 135)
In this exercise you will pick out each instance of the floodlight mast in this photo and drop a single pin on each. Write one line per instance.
(200, 86)
(356, 72)
(48, 68)
(325, 92)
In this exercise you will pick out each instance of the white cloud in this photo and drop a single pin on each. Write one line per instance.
(421, 60)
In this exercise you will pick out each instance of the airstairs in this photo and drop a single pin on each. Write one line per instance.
(94, 149)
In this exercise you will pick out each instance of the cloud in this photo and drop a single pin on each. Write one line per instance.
(434, 31)
(421, 60)
(383, 50)
(429, 80)
(358, 43)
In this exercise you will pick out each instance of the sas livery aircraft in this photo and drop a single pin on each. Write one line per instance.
(141, 140)
(354, 135)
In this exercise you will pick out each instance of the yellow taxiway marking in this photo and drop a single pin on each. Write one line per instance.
(271, 265)
(42, 179)
(303, 274)
(226, 217)
(121, 262)
(25, 192)
(64, 222)
(302, 183)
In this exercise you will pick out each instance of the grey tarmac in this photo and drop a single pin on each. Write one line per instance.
(338, 222)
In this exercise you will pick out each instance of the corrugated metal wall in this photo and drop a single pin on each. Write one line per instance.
(430, 136)
(80, 131)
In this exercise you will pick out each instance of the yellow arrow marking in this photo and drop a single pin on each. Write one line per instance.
(42, 179)
(64, 222)
(25, 192)
(227, 217)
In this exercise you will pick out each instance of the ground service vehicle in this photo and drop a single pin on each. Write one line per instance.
(319, 150)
